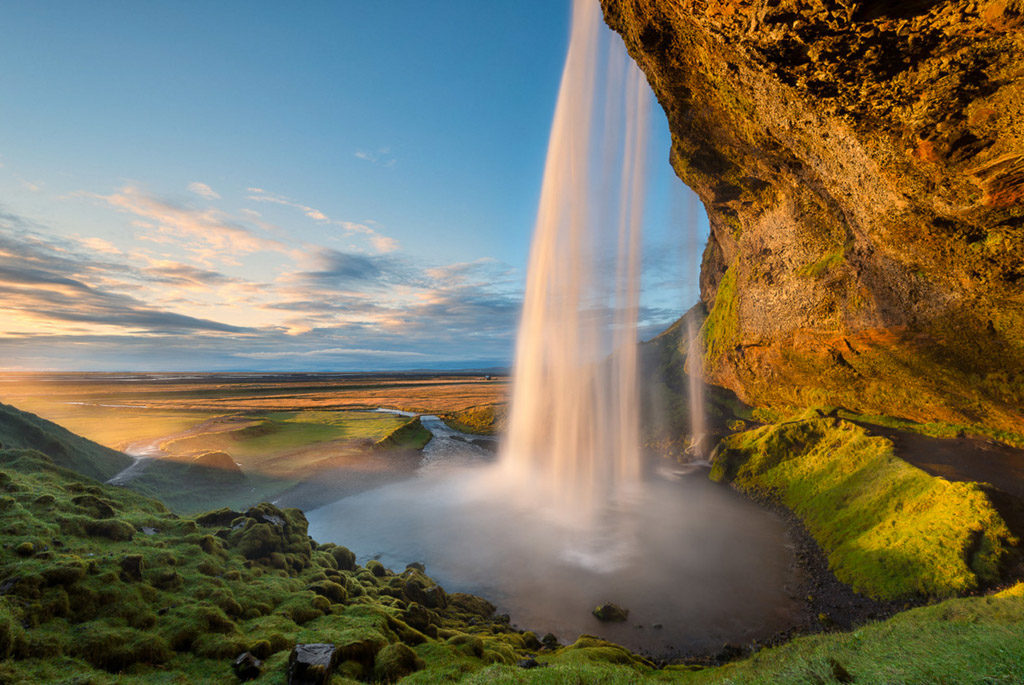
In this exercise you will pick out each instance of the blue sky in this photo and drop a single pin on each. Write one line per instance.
(240, 185)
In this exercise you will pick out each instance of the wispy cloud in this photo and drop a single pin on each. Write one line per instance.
(380, 242)
(203, 190)
(380, 156)
(208, 233)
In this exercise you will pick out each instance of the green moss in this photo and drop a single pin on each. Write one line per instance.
(721, 326)
(889, 529)
(395, 662)
(827, 262)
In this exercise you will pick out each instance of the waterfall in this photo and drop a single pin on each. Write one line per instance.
(574, 425)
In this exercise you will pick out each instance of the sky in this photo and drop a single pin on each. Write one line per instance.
(346, 186)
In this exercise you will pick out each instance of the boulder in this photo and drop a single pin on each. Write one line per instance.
(312, 664)
(395, 662)
(132, 567)
(247, 667)
(611, 613)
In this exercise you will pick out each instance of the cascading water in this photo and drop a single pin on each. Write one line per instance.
(555, 527)
(574, 424)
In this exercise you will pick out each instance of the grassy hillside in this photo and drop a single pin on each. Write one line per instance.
(21, 430)
(889, 529)
(101, 584)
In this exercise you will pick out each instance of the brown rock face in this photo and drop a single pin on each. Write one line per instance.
(862, 166)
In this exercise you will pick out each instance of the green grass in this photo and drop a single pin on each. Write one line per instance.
(487, 419)
(90, 598)
(411, 435)
(21, 430)
(889, 529)
(280, 432)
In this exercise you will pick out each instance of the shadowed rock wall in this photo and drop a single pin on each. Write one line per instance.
(862, 166)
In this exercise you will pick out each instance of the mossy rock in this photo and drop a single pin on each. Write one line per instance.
(471, 604)
(334, 592)
(395, 662)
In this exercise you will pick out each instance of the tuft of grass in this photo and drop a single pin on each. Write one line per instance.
(890, 530)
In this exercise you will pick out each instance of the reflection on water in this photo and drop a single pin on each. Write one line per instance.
(690, 556)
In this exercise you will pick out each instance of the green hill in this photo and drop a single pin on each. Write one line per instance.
(22, 430)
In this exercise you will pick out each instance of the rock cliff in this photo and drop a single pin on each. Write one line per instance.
(862, 166)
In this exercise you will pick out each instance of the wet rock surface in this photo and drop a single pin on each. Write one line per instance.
(611, 613)
(311, 664)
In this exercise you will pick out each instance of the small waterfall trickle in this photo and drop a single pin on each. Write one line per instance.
(574, 424)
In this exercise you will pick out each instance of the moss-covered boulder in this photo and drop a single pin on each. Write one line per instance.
(394, 662)
(272, 535)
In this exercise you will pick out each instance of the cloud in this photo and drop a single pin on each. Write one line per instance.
(50, 282)
(380, 242)
(207, 233)
(330, 352)
(87, 302)
(380, 157)
(203, 190)
(176, 273)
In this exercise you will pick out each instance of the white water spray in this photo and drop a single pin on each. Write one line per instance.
(574, 424)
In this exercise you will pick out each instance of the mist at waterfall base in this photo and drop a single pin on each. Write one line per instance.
(569, 515)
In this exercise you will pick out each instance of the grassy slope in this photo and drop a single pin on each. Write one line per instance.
(889, 529)
(411, 435)
(87, 595)
(22, 430)
(72, 611)
(486, 419)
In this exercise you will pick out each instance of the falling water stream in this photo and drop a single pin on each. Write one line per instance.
(566, 517)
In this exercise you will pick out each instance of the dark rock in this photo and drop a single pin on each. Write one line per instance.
(528, 663)
(550, 641)
(417, 566)
(657, 626)
(730, 652)
(247, 667)
(132, 567)
(611, 613)
(311, 664)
